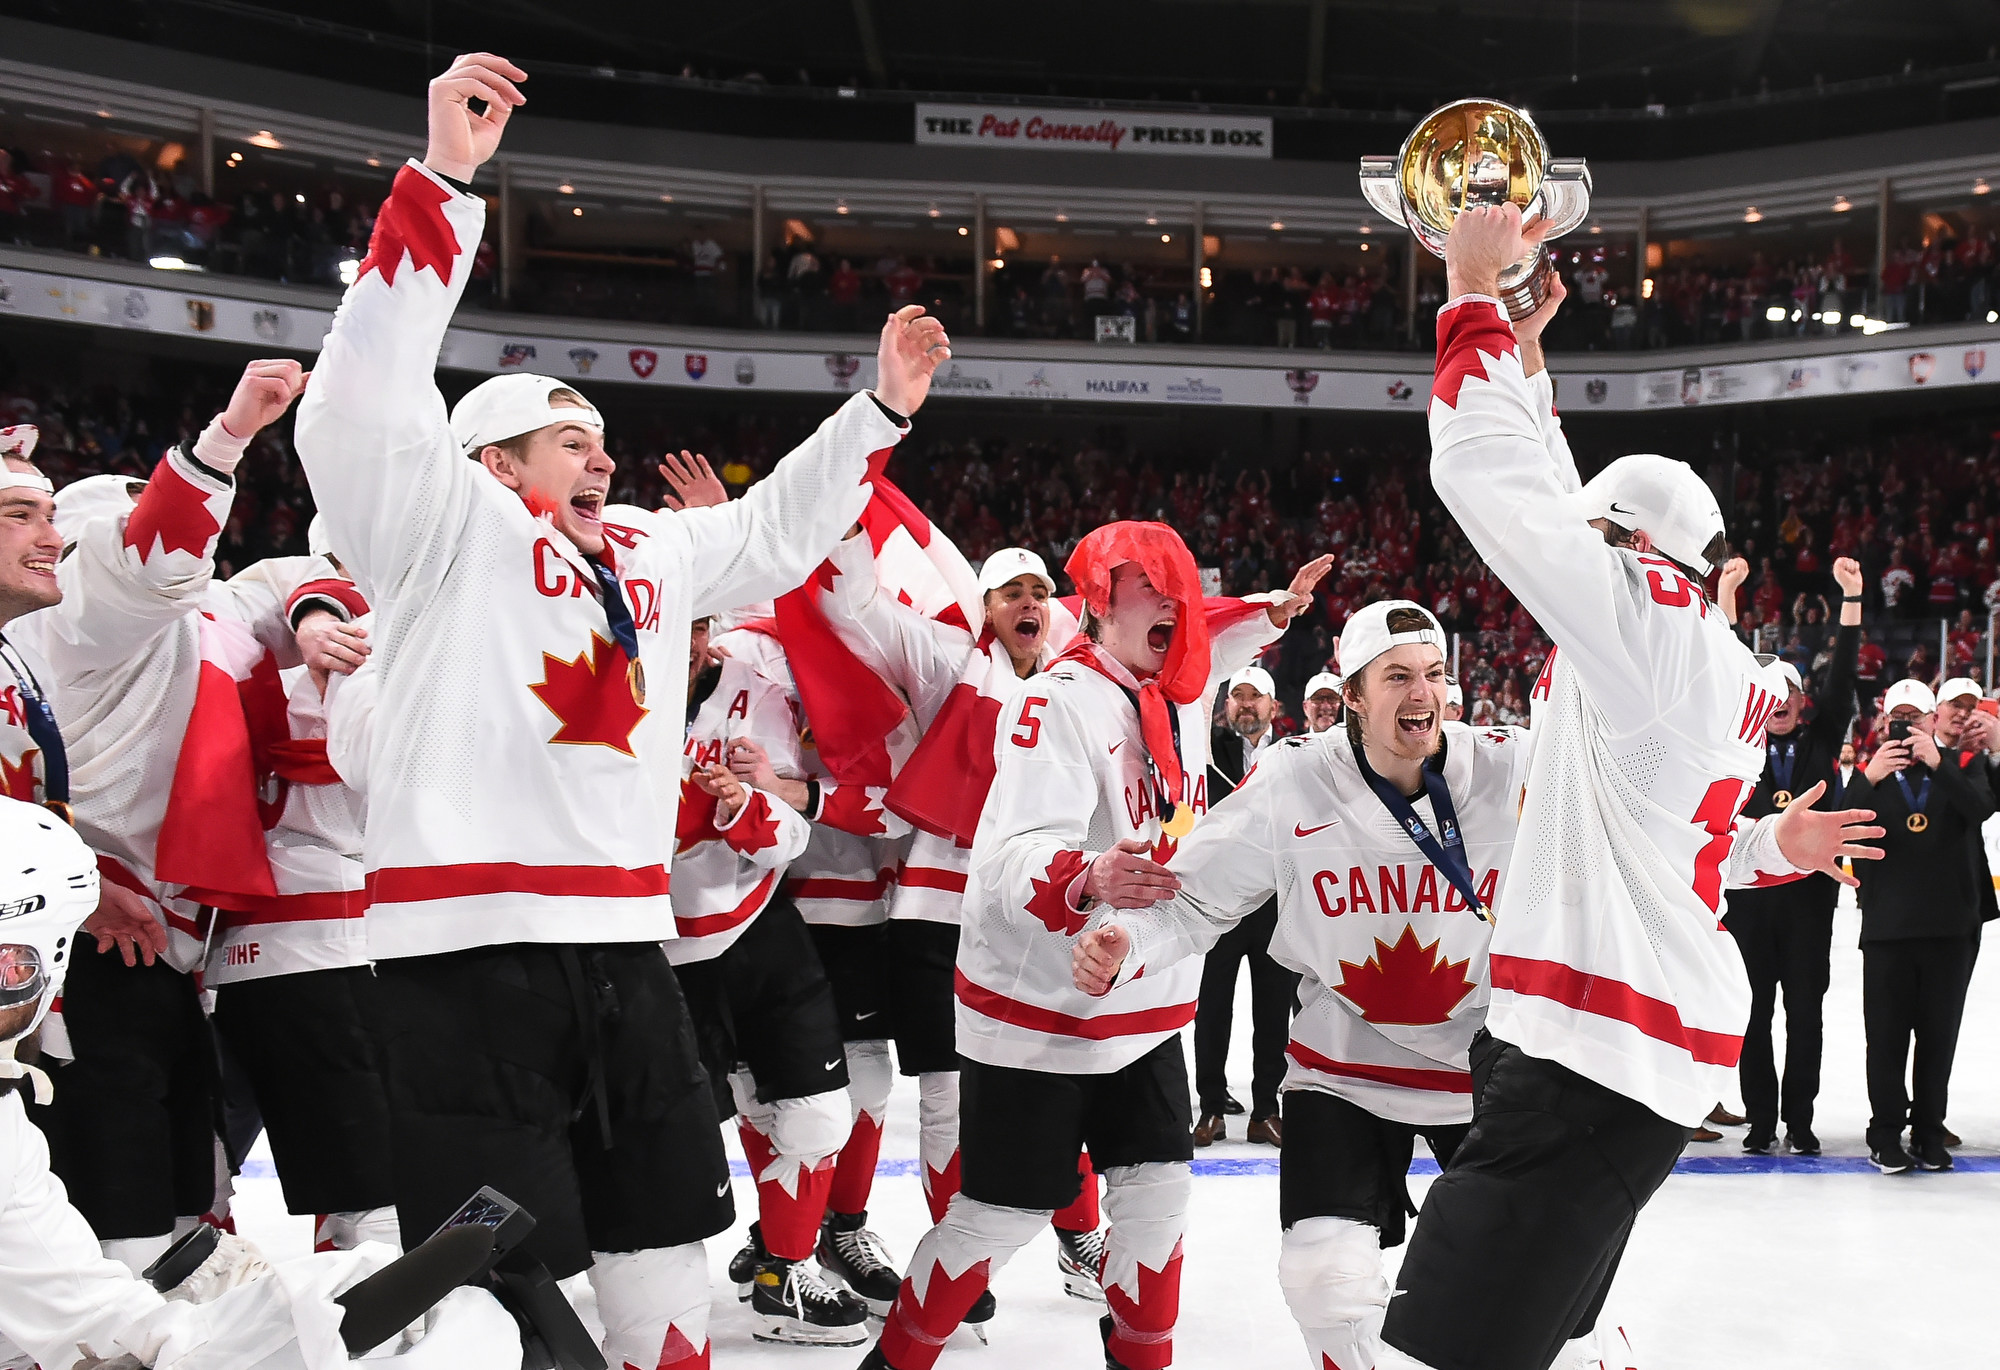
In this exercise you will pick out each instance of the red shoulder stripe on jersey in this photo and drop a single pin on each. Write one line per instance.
(1033, 1017)
(708, 924)
(1615, 999)
(827, 887)
(415, 884)
(932, 878)
(171, 514)
(1464, 332)
(313, 907)
(1406, 1077)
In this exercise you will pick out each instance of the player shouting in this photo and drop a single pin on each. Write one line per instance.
(1618, 1000)
(1100, 770)
(1387, 843)
(523, 771)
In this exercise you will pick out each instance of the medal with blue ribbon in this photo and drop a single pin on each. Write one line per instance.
(1781, 772)
(43, 732)
(1446, 850)
(624, 631)
(1918, 819)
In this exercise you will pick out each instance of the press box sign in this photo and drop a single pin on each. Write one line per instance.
(1093, 130)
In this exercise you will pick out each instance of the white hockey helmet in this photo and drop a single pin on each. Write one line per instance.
(508, 406)
(1663, 498)
(48, 886)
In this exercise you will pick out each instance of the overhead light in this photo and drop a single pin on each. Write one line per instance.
(300, 198)
(933, 211)
(1366, 229)
(1841, 204)
(840, 208)
(1831, 316)
(997, 263)
(1152, 220)
(1061, 217)
(1857, 320)
(171, 264)
(1979, 187)
(1207, 278)
(1166, 237)
(1753, 215)
(1597, 228)
(104, 114)
(1992, 316)
(963, 231)
(262, 138)
(374, 161)
(349, 269)
(666, 199)
(1646, 288)
(1364, 247)
(565, 189)
(577, 211)
(1277, 225)
(1798, 314)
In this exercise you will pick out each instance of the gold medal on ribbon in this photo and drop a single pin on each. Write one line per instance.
(635, 676)
(1783, 799)
(1916, 822)
(1179, 823)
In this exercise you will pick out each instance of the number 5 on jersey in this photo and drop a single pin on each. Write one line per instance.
(1028, 731)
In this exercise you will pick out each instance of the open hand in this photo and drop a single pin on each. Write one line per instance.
(1097, 957)
(461, 141)
(1299, 593)
(728, 790)
(1818, 839)
(263, 393)
(913, 343)
(691, 484)
(1124, 879)
(123, 921)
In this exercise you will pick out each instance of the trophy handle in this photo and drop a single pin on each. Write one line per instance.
(1379, 188)
(1566, 194)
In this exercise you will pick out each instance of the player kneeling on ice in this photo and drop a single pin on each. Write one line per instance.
(1387, 843)
(65, 1303)
(1100, 762)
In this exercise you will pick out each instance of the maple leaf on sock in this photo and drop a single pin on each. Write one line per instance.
(754, 829)
(18, 782)
(411, 220)
(1050, 901)
(592, 696)
(1406, 984)
(1143, 1327)
(171, 514)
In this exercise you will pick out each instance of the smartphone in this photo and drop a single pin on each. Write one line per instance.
(1989, 706)
(1899, 730)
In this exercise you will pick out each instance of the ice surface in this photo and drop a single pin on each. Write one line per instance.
(1783, 1263)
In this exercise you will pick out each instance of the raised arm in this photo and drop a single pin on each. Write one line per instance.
(917, 654)
(1836, 709)
(373, 431)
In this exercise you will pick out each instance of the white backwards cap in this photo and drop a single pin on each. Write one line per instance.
(48, 886)
(1257, 678)
(1913, 692)
(94, 497)
(1665, 498)
(1325, 680)
(1790, 672)
(18, 440)
(1367, 634)
(511, 405)
(1011, 563)
(319, 542)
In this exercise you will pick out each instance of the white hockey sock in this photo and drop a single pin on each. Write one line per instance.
(954, 1262)
(937, 1137)
(654, 1306)
(1147, 1207)
(1331, 1272)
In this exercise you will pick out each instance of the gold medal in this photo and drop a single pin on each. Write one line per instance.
(1179, 823)
(635, 676)
(1783, 799)
(1916, 822)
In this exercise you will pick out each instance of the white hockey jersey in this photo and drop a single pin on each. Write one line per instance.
(520, 789)
(1609, 954)
(725, 874)
(23, 769)
(1072, 781)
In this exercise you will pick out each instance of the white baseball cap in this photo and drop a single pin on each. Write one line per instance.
(1959, 686)
(1257, 678)
(1665, 498)
(1791, 675)
(511, 405)
(18, 440)
(1913, 692)
(1453, 694)
(1367, 634)
(319, 542)
(1011, 563)
(1325, 680)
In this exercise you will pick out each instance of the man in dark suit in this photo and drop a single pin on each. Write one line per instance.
(1234, 747)
(1786, 932)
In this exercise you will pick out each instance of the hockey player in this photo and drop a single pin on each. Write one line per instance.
(762, 1007)
(1389, 841)
(523, 776)
(293, 992)
(1101, 767)
(158, 674)
(1618, 999)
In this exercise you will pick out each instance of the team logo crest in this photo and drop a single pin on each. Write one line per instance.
(842, 366)
(1691, 385)
(270, 324)
(1923, 365)
(201, 315)
(1975, 362)
(1399, 391)
(583, 358)
(516, 354)
(746, 370)
(643, 360)
(1802, 378)
(696, 364)
(1595, 389)
(1303, 383)
(136, 306)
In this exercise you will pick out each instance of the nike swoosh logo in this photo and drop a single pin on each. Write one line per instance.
(1618, 508)
(1300, 830)
(834, 1062)
(864, 1017)
(1116, 745)
(722, 1189)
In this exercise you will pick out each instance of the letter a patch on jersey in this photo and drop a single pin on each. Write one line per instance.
(592, 697)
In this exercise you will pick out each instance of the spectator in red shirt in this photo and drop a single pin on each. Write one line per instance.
(75, 196)
(1322, 306)
(15, 191)
(843, 292)
(903, 283)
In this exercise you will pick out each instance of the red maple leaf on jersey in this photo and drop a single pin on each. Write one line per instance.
(18, 782)
(1407, 984)
(412, 220)
(172, 514)
(1050, 901)
(1464, 334)
(592, 696)
(754, 829)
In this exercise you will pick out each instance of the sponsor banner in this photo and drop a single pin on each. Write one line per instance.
(1123, 376)
(1108, 131)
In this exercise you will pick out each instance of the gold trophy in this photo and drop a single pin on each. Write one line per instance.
(1480, 152)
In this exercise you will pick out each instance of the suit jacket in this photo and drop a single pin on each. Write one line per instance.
(1225, 763)
(1925, 885)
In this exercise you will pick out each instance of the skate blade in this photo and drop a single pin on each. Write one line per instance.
(783, 1332)
(878, 1309)
(1082, 1287)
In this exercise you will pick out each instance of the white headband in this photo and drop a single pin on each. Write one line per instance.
(25, 480)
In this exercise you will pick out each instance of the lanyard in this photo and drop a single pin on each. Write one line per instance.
(618, 614)
(42, 730)
(1447, 855)
(1918, 819)
(1781, 768)
(1163, 803)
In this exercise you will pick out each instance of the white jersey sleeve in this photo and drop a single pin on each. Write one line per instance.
(261, 595)
(925, 659)
(350, 721)
(1034, 837)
